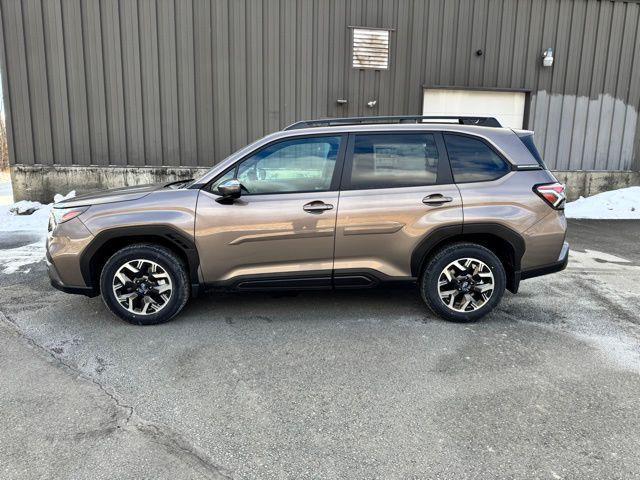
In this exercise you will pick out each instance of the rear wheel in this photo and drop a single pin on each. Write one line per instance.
(144, 284)
(463, 282)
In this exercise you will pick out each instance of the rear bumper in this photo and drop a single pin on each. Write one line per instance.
(554, 267)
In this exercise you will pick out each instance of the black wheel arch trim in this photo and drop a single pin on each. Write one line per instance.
(442, 234)
(176, 238)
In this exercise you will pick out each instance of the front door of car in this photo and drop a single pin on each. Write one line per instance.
(396, 191)
(281, 230)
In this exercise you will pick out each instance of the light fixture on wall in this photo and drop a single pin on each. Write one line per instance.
(547, 57)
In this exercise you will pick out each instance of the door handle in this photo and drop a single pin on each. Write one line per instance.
(436, 199)
(317, 207)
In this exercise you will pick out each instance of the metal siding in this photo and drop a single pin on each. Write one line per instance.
(95, 84)
(556, 102)
(132, 81)
(15, 52)
(112, 50)
(186, 83)
(202, 35)
(149, 77)
(38, 87)
(220, 52)
(568, 108)
(76, 81)
(166, 82)
(623, 85)
(589, 161)
(255, 64)
(631, 133)
(5, 88)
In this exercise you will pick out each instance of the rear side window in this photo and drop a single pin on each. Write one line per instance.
(531, 146)
(472, 160)
(394, 160)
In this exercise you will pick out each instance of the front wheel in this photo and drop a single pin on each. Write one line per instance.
(463, 282)
(144, 284)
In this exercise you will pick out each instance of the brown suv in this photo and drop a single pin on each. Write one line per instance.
(460, 205)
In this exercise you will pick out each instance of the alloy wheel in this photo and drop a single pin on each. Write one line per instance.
(142, 287)
(466, 285)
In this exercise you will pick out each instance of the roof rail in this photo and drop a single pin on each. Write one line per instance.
(331, 122)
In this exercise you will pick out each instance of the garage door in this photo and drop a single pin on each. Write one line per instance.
(507, 107)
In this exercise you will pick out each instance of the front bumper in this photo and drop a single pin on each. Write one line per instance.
(86, 291)
(57, 283)
(555, 267)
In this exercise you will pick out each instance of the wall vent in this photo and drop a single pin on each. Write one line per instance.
(370, 48)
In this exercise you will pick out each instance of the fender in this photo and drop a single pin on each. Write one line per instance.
(167, 233)
(459, 232)
(510, 236)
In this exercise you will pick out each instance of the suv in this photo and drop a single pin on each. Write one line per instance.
(460, 205)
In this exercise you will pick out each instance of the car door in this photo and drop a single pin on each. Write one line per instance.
(280, 232)
(396, 191)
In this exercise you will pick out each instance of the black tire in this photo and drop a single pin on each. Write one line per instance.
(168, 261)
(429, 281)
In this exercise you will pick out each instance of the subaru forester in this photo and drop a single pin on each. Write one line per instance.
(460, 206)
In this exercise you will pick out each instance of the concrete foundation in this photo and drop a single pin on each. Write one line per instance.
(583, 183)
(41, 182)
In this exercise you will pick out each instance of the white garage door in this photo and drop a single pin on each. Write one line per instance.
(506, 107)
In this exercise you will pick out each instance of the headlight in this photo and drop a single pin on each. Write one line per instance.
(61, 215)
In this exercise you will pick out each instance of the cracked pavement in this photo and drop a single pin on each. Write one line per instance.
(331, 385)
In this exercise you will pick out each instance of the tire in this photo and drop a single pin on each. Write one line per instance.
(461, 282)
(161, 282)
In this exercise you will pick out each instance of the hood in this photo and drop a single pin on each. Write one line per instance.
(109, 196)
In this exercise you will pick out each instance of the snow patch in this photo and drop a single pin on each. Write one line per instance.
(14, 217)
(25, 207)
(622, 204)
(14, 260)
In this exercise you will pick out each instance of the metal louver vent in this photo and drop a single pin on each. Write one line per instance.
(370, 48)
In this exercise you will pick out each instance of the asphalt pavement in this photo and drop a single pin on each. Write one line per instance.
(357, 384)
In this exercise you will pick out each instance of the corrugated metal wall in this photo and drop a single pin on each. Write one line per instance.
(185, 82)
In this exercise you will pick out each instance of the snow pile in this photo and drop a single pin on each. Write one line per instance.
(24, 207)
(622, 204)
(17, 222)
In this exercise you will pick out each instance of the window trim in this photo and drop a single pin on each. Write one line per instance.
(335, 179)
(510, 166)
(443, 175)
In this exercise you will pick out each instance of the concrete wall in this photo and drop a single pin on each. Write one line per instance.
(42, 183)
(183, 83)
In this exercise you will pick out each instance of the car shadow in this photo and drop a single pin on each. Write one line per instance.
(379, 302)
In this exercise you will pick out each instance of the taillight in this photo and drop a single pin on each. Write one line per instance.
(552, 193)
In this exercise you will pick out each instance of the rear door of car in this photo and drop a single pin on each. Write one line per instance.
(396, 190)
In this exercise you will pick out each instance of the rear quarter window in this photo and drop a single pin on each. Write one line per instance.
(527, 139)
(472, 160)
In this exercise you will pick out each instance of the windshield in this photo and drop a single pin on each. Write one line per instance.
(239, 153)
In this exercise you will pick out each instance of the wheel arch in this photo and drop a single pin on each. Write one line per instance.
(107, 242)
(507, 244)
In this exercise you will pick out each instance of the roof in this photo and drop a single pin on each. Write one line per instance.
(502, 139)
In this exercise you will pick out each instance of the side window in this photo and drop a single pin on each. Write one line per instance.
(298, 165)
(473, 160)
(394, 160)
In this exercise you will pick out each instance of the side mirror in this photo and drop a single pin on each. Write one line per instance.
(230, 190)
